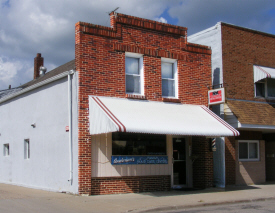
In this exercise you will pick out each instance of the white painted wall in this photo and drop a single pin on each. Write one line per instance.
(48, 166)
(213, 37)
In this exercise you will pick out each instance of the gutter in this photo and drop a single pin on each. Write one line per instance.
(71, 72)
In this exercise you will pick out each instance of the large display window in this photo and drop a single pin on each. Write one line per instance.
(138, 144)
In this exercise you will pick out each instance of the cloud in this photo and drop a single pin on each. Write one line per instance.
(197, 15)
(13, 72)
(28, 27)
(161, 19)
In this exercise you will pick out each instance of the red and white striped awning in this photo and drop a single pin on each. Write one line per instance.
(263, 72)
(141, 116)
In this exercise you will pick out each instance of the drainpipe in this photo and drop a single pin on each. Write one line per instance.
(71, 72)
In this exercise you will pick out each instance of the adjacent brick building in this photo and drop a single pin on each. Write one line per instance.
(243, 62)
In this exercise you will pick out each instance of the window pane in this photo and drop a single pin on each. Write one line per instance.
(138, 144)
(253, 150)
(270, 87)
(243, 150)
(131, 65)
(132, 84)
(167, 70)
(168, 88)
(260, 89)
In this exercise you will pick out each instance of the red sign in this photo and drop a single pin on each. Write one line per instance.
(216, 96)
(67, 128)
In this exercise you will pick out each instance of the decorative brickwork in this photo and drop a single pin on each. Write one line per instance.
(100, 63)
(131, 184)
(203, 165)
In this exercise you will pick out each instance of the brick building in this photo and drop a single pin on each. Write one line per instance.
(243, 62)
(138, 117)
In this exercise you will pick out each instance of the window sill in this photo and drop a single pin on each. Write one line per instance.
(173, 100)
(133, 96)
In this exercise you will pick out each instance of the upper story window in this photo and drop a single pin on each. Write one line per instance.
(249, 150)
(265, 88)
(169, 78)
(134, 73)
(264, 79)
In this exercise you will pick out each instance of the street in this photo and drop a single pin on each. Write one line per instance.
(251, 207)
(15, 199)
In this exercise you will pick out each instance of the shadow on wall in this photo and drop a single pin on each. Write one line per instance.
(216, 76)
(251, 172)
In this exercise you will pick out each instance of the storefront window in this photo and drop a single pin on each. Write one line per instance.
(138, 144)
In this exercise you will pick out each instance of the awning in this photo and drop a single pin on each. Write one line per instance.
(141, 116)
(263, 72)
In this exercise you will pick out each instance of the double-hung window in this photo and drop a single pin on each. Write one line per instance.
(169, 78)
(249, 150)
(134, 73)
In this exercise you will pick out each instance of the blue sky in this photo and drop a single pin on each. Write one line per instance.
(28, 27)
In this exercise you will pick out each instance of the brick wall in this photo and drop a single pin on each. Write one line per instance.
(242, 48)
(100, 63)
(230, 160)
(203, 165)
(130, 184)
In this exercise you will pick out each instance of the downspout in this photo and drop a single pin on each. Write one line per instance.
(71, 72)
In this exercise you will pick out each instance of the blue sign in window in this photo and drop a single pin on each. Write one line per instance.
(121, 160)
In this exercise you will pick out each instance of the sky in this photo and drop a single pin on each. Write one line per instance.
(28, 27)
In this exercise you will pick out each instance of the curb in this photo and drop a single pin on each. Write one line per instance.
(180, 207)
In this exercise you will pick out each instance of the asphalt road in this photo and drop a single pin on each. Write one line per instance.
(251, 207)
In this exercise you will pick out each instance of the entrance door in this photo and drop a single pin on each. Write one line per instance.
(270, 161)
(179, 159)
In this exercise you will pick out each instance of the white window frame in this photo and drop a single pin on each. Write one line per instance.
(249, 141)
(175, 72)
(27, 149)
(264, 81)
(6, 149)
(141, 71)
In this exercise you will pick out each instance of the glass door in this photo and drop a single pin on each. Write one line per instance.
(179, 162)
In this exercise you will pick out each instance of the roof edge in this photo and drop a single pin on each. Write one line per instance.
(40, 84)
(247, 29)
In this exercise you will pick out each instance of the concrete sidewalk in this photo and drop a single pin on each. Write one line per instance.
(20, 199)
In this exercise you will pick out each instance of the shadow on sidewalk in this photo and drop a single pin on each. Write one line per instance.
(190, 191)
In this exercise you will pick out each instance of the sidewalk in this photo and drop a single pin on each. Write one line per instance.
(20, 199)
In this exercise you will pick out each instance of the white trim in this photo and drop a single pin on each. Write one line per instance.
(175, 72)
(141, 71)
(248, 142)
(42, 83)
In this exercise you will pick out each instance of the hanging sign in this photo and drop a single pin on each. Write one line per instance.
(216, 96)
(121, 160)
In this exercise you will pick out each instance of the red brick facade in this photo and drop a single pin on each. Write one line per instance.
(100, 63)
(203, 165)
(241, 49)
(130, 184)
